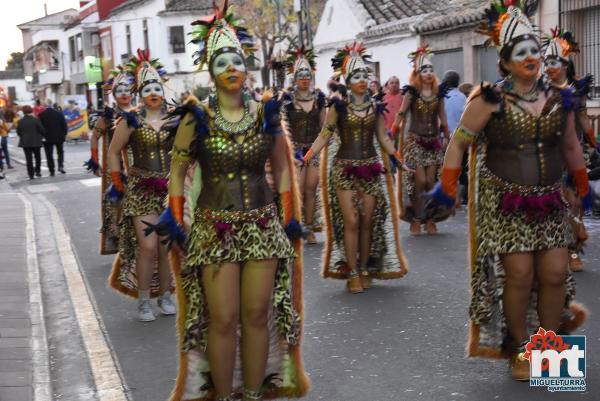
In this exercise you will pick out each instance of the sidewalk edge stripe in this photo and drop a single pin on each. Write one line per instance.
(110, 385)
(42, 388)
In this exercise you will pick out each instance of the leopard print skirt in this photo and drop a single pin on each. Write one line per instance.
(422, 152)
(109, 214)
(383, 262)
(497, 233)
(219, 236)
(139, 200)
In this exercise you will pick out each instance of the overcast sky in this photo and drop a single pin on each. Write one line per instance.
(20, 11)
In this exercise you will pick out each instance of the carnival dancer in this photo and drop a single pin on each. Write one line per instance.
(141, 268)
(560, 73)
(238, 275)
(304, 115)
(357, 215)
(519, 133)
(118, 84)
(422, 148)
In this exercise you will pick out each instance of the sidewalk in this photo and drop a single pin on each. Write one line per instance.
(16, 364)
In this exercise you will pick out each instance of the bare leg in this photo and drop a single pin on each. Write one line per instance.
(349, 215)
(222, 290)
(258, 278)
(551, 269)
(310, 193)
(420, 186)
(366, 229)
(147, 251)
(430, 178)
(301, 176)
(164, 271)
(519, 279)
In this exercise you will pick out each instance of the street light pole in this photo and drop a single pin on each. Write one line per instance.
(298, 8)
(308, 24)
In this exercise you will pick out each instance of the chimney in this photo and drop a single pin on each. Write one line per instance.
(83, 3)
(45, 9)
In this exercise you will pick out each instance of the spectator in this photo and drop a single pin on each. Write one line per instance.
(375, 88)
(55, 127)
(455, 101)
(4, 128)
(31, 133)
(393, 100)
(466, 88)
(38, 108)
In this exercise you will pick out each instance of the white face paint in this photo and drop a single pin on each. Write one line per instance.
(359, 76)
(121, 90)
(153, 89)
(524, 50)
(304, 74)
(552, 62)
(225, 60)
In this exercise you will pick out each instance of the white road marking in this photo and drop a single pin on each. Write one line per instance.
(91, 182)
(36, 189)
(105, 369)
(42, 388)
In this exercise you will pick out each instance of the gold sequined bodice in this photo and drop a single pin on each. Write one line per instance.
(523, 148)
(425, 117)
(357, 135)
(150, 148)
(304, 127)
(233, 174)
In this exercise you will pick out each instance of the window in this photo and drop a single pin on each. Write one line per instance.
(488, 65)
(145, 30)
(12, 93)
(128, 38)
(176, 39)
(106, 46)
(449, 60)
(72, 53)
(583, 19)
(79, 43)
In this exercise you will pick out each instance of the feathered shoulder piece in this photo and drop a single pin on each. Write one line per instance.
(269, 109)
(144, 69)
(220, 30)
(410, 89)
(320, 98)
(108, 114)
(339, 104)
(584, 85)
(491, 93)
(443, 90)
(507, 19)
(132, 119)
(379, 104)
(300, 58)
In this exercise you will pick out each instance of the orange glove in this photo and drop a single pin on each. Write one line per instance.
(116, 180)
(582, 184)
(176, 205)
(449, 178)
(288, 207)
(95, 155)
(591, 137)
(307, 157)
(395, 130)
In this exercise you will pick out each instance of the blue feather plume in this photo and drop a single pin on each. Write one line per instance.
(168, 227)
(113, 194)
(132, 120)
(271, 119)
(91, 166)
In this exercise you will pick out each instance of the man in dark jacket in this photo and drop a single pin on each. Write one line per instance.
(31, 133)
(56, 129)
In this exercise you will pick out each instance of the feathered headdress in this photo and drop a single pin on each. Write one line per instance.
(350, 58)
(220, 33)
(117, 77)
(145, 70)
(421, 57)
(300, 58)
(560, 44)
(507, 20)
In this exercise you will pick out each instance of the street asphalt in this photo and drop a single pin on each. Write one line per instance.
(400, 340)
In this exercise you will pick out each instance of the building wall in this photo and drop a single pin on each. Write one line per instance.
(548, 15)
(393, 58)
(23, 96)
(338, 24)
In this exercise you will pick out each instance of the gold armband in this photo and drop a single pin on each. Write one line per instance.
(180, 156)
(466, 135)
(328, 130)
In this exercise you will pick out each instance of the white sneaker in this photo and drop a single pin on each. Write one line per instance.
(145, 312)
(166, 305)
